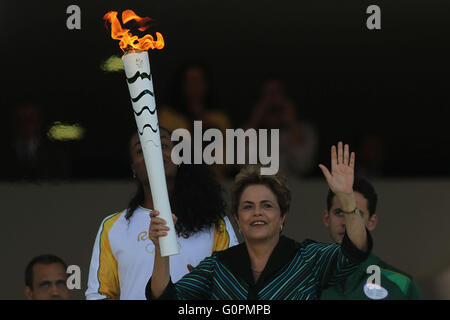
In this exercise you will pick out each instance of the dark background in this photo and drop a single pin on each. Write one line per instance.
(346, 79)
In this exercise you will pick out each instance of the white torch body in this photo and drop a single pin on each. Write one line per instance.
(140, 85)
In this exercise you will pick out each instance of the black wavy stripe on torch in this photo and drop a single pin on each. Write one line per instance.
(142, 75)
(147, 126)
(140, 95)
(143, 109)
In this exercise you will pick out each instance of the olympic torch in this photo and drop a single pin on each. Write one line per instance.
(140, 85)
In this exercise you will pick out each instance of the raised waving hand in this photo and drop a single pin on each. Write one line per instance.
(340, 179)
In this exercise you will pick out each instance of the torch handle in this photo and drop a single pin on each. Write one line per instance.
(155, 170)
(140, 85)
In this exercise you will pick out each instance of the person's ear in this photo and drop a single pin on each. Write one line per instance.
(372, 223)
(236, 219)
(28, 293)
(326, 218)
(283, 218)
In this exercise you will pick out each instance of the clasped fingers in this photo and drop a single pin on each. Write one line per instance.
(158, 227)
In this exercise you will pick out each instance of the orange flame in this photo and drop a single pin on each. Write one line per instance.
(127, 40)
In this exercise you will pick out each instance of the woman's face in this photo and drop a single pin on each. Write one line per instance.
(259, 215)
(138, 164)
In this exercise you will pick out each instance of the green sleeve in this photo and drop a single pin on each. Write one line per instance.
(197, 284)
(334, 262)
(405, 283)
(414, 291)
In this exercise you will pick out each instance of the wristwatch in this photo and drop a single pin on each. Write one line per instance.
(356, 211)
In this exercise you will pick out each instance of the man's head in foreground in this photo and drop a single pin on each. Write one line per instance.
(46, 279)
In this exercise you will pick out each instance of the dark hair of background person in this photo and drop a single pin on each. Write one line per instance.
(42, 259)
(196, 199)
(251, 175)
(176, 96)
(268, 77)
(366, 189)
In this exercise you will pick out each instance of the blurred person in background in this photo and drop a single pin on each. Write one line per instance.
(441, 284)
(394, 283)
(29, 154)
(46, 279)
(298, 138)
(192, 99)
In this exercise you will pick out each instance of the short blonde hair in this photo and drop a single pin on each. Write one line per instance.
(251, 175)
